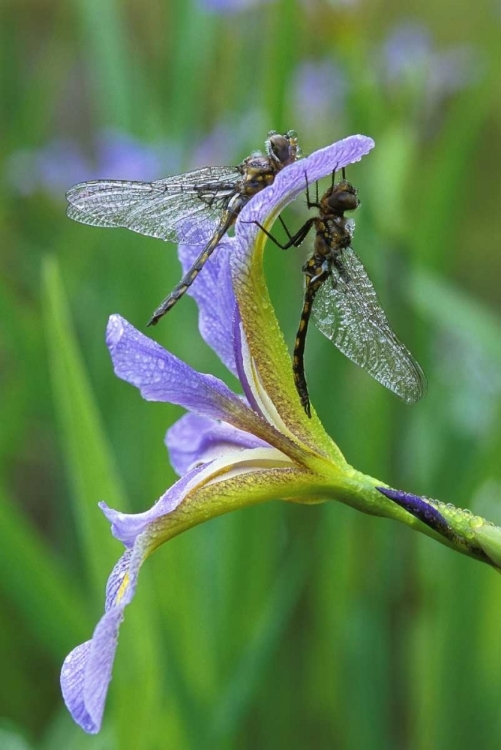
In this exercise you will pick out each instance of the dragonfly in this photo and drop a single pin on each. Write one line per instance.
(341, 298)
(196, 207)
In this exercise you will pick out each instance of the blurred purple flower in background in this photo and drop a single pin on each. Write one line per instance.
(408, 58)
(228, 142)
(320, 88)
(230, 6)
(63, 162)
(120, 152)
(407, 48)
(53, 167)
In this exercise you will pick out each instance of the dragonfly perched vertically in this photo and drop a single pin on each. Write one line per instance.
(196, 207)
(343, 302)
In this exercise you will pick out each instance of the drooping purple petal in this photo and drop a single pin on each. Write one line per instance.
(128, 526)
(213, 293)
(161, 376)
(288, 184)
(194, 440)
(86, 671)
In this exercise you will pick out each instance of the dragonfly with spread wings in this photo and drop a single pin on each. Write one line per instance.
(197, 207)
(343, 302)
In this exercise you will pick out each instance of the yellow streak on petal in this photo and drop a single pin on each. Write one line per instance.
(243, 485)
(263, 400)
(271, 358)
(123, 588)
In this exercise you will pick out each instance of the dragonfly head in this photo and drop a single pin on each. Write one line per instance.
(340, 197)
(283, 149)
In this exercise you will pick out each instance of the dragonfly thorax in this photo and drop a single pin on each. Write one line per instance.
(333, 234)
(257, 173)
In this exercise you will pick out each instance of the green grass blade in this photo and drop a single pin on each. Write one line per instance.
(88, 457)
(242, 688)
(38, 585)
(105, 40)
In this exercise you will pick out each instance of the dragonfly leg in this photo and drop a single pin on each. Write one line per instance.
(294, 240)
(310, 203)
(187, 280)
(285, 228)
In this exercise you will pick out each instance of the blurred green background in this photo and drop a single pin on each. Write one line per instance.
(280, 626)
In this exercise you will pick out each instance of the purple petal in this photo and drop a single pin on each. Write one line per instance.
(160, 376)
(194, 440)
(288, 184)
(128, 526)
(72, 686)
(86, 672)
(213, 293)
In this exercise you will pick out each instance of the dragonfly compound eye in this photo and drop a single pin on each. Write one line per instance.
(282, 148)
(343, 200)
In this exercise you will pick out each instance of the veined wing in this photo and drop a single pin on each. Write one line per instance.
(181, 208)
(347, 310)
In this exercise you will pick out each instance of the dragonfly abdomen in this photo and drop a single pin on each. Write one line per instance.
(189, 277)
(316, 273)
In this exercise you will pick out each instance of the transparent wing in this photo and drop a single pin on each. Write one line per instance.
(182, 208)
(347, 310)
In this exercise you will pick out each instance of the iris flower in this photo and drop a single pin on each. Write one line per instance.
(236, 450)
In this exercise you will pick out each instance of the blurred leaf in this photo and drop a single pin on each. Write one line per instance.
(90, 464)
(444, 189)
(193, 49)
(236, 699)
(445, 304)
(105, 37)
(64, 733)
(39, 584)
(10, 740)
